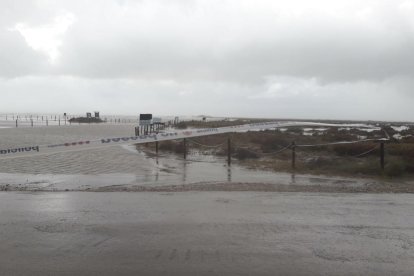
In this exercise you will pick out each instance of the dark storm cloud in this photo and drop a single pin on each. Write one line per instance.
(297, 58)
(226, 42)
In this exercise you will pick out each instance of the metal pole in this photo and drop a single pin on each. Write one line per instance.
(156, 147)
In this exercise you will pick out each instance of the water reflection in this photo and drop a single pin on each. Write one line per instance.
(293, 178)
(184, 171)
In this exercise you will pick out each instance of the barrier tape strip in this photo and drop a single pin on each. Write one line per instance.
(343, 142)
(34, 150)
(366, 152)
(208, 146)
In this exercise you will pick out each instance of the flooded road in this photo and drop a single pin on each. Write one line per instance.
(206, 233)
(122, 166)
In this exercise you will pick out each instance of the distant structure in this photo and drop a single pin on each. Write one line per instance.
(88, 119)
(89, 114)
(145, 119)
(148, 124)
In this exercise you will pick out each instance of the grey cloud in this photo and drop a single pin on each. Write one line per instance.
(185, 45)
(224, 58)
(222, 41)
(16, 58)
(279, 97)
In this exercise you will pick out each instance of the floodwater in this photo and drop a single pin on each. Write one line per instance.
(121, 165)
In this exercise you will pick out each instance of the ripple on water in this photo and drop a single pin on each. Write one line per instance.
(117, 165)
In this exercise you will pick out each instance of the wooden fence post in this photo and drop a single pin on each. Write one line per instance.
(228, 151)
(185, 148)
(382, 156)
(293, 155)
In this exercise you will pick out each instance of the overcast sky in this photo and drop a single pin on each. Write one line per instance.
(325, 59)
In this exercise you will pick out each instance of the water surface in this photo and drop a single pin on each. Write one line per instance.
(121, 165)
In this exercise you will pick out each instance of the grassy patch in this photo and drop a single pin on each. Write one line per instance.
(260, 149)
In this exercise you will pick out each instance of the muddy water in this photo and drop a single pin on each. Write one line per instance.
(120, 165)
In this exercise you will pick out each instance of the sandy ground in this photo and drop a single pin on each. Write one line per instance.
(326, 185)
(330, 187)
(206, 233)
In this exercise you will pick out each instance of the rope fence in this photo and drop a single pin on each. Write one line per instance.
(234, 149)
(207, 146)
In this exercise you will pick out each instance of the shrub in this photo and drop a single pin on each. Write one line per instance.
(404, 149)
(408, 139)
(182, 125)
(295, 130)
(353, 149)
(166, 145)
(269, 143)
(242, 153)
(394, 168)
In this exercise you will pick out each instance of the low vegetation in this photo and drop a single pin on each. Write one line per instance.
(270, 149)
(85, 120)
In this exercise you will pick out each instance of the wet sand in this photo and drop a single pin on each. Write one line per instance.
(283, 182)
(328, 187)
(206, 233)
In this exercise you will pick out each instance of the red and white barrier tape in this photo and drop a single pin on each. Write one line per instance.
(33, 150)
